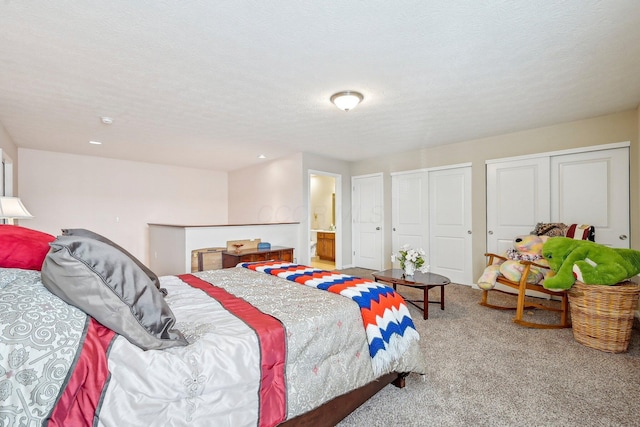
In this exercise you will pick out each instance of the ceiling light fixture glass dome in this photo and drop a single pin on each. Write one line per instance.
(346, 100)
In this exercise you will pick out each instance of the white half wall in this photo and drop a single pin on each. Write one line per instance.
(171, 246)
(117, 198)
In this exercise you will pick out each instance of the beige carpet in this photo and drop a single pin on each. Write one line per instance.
(485, 370)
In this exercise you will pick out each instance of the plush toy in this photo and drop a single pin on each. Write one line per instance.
(587, 262)
(527, 248)
(550, 229)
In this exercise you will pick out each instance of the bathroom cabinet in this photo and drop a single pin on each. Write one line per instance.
(326, 248)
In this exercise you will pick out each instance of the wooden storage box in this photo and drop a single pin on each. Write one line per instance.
(206, 259)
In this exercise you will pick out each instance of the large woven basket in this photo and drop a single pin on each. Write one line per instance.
(602, 316)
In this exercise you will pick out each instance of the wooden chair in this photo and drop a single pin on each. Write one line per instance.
(522, 286)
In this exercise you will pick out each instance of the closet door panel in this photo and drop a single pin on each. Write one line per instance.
(409, 207)
(517, 199)
(450, 224)
(593, 188)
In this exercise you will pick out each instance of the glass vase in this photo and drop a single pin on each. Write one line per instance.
(409, 268)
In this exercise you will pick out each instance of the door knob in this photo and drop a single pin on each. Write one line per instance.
(490, 232)
(468, 231)
(394, 229)
(623, 237)
(377, 228)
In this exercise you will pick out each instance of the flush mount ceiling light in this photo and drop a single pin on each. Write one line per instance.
(346, 100)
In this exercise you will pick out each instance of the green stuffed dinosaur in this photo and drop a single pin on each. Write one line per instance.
(587, 262)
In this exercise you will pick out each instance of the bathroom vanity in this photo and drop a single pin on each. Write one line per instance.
(326, 248)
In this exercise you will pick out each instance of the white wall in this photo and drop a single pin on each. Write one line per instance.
(117, 198)
(267, 193)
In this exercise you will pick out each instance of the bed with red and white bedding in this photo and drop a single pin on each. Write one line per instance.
(261, 349)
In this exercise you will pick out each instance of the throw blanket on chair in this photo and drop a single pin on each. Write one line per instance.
(385, 315)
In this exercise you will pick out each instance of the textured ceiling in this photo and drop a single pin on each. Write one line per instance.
(212, 84)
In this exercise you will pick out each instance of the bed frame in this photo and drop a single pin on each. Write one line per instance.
(337, 409)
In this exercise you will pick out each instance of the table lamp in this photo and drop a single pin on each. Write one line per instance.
(12, 208)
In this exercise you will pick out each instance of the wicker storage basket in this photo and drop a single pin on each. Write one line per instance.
(602, 316)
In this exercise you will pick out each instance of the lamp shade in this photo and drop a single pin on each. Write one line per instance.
(12, 208)
(347, 99)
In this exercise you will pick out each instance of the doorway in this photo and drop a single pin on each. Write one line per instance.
(6, 179)
(6, 175)
(368, 218)
(324, 227)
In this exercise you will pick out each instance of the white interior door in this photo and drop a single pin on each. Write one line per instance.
(593, 188)
(368, 217)
(517, 199)
(450, 224)
(409, 210)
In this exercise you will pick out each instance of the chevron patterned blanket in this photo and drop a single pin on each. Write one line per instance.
(385, 315)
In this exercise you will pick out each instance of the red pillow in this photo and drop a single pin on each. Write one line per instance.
(22, 247)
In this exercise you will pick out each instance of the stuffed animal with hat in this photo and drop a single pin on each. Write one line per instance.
(525, 248)
(588, 262)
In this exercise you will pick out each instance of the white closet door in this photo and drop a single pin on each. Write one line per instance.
(517, 199)
(409, 210)
(368, 217)
(450, 224)
(593, 188)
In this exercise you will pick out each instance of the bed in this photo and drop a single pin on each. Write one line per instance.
(254, 345)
